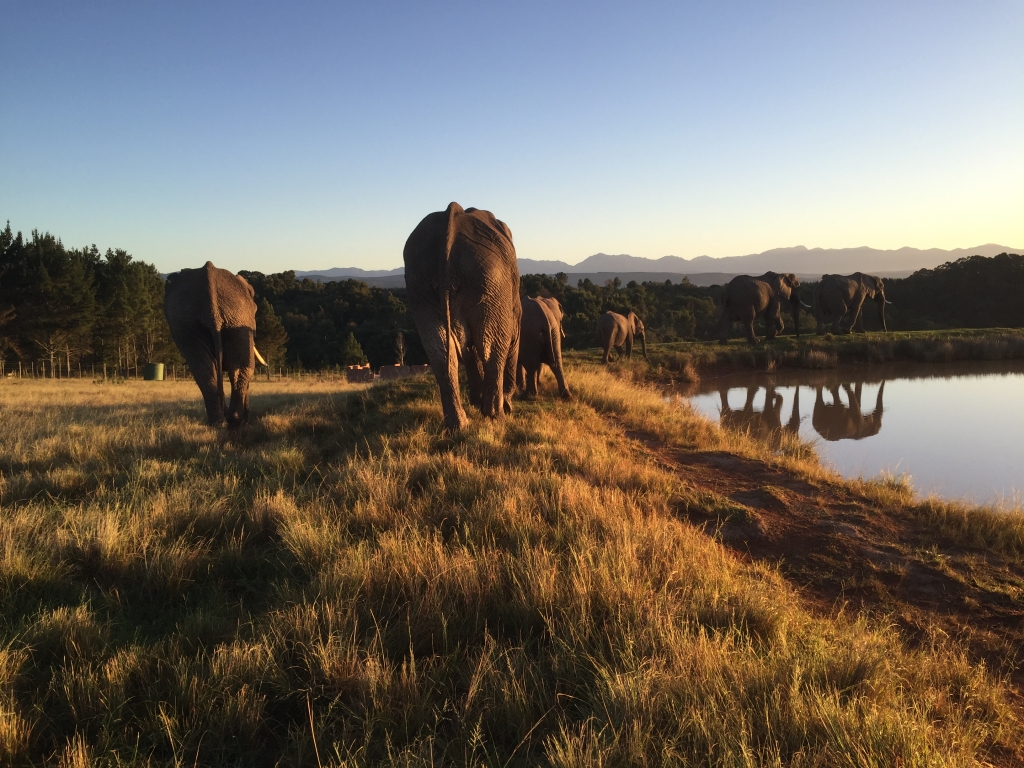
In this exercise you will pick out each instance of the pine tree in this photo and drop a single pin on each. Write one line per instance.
(351, 352)
(271, 337)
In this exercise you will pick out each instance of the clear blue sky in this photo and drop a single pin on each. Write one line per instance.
(285, 135)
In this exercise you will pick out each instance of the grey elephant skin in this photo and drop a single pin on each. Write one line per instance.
(839, 296)
(746, 297)
(462, 283)
(540, 343)
(837, 421)
(618, 332)
(212, 317)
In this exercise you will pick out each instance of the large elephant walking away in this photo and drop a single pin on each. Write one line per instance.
(212, 317)
(619, 331)
(540, 343)
(746, 297)
(839, 421)
(463, 291)
(837, 296)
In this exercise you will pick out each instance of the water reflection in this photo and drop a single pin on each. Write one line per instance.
(845, 421)
(760, 422)
(954, 428)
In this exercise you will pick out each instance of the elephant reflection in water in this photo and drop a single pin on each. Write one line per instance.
(837, 421)
(763, 423)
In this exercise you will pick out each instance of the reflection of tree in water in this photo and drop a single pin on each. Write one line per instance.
(766, 422)
(838, 421)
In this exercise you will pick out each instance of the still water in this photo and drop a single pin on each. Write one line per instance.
(956, 429)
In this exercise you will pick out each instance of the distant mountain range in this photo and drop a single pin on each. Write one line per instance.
(805, 262)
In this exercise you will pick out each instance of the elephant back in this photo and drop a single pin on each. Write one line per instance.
(216, 297)
(478, 237)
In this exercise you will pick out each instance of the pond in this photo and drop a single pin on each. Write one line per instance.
(957, 430)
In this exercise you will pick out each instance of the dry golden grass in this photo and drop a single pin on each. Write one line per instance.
(342, 584)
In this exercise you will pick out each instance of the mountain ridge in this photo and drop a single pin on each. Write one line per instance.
(798, 259)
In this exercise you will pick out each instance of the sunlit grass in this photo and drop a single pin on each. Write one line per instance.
(342, 578)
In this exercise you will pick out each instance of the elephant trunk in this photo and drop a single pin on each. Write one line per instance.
(643, 345)
(794, 301)
(881, 311)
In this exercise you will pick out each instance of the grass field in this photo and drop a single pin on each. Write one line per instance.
(342, 584)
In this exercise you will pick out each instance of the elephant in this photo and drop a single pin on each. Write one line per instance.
(212, 317)
(540, 343)
(839, 295)
(837, 421)
(462, 284)
(761, 424)
(746, 297)
(617, 331)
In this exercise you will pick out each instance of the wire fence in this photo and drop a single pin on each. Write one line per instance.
(43, 369)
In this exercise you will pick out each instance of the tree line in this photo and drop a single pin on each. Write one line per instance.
(63, 308)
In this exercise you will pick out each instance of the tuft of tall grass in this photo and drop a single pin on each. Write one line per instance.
(344, 584)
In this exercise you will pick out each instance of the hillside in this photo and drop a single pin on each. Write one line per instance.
(343, 585)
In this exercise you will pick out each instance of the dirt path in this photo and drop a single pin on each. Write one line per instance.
(843, 549)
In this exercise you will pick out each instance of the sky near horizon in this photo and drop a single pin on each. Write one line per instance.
(272, 136)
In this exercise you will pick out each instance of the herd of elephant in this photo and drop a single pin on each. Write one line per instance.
(462, 283)
(839, 298)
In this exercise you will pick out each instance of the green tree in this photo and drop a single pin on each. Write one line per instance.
(351, 352)
(271, 337)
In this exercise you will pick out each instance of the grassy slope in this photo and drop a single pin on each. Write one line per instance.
(532, 591)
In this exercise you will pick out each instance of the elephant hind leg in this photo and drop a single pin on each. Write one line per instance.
(556, 368)
(509, 383)
(444, 364)
(496, 373)
(196, 347)
(474, 377)
(751, 336)
(533, 383)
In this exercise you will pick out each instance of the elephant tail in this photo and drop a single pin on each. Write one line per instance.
(454, 209)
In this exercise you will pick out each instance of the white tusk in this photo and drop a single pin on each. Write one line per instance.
(808, 306)
(888, 302)
(259, 356)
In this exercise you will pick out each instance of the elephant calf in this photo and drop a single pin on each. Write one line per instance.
(540, 343)
(618, 331)
(212, 317)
